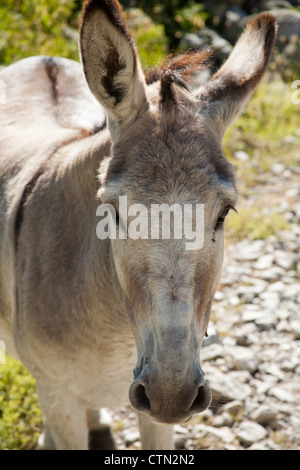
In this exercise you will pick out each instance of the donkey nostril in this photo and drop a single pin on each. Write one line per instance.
(202, 400)
(139, 398)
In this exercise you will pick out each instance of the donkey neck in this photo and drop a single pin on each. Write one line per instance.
(80, 184)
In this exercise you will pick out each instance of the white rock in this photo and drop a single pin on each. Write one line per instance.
(241, 156)
(272, 274)
(278, 286)
(242, 358)
(285, 259)
(228, 387)
(131, 436)
(277, 168)
(283, 325)
(223, 433)
(295, 327)
(218, 295)
(180, 429)
(250, 316)
(234, 407)
(289, 392)
(250, 432)
(264, 414)
(264, 262)
(262, 387)
(250, 251)
(211, 352)
(269, 299)
(266, 321)
(225, 419)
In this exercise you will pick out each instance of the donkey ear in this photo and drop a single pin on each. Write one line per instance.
(110, 61)
(230, 88)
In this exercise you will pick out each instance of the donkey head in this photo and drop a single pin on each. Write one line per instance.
(166, 149)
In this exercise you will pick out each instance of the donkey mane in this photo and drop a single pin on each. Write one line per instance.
(178, 70)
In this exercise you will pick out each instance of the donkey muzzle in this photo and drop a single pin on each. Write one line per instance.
(170, 396)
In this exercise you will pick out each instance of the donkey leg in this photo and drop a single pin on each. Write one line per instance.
(65, 416)
(100, 435)
(45, 441)
(155, 436)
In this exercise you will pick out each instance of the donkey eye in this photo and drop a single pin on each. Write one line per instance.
(222, 217)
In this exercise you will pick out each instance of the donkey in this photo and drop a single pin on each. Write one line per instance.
(79, 312)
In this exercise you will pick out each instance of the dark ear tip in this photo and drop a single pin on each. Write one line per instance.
(111, 8)
(265, 22)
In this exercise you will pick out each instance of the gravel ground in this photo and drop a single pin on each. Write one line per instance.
(252, 354)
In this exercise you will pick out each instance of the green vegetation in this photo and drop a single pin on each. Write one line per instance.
(149, 36)
(49, 27)
(20, 416)
(252, 222)
(267, 139)
(176, 16)
(261, 132)
(35, 27)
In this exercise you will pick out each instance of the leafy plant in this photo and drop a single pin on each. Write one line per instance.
(263, 131)
(34, 27)
(150, 37)
(176, 16)
(20, 415)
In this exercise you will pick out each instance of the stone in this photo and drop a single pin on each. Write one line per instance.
(264, 415)
(250, 432)
(287, 392)
(264, 262)
(270, 299)
(241, 156)
(242, 358)
(266, 321)
(285, 260)
(250, 251)
(254, 285)
(223, 433)
(225, 419)
(228, 387)
(131, 436)
(211, 352)
(272, 274)
(295, 329)
(180, 429)
(278, 286)
(234, 407)
(277, 168)
(253, 315)
(263, 386)
(218, 295)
